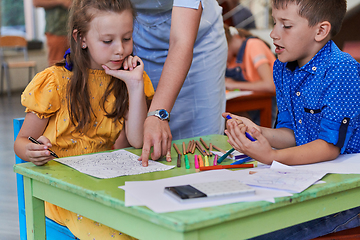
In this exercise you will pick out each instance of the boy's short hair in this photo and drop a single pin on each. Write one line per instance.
(316, 11)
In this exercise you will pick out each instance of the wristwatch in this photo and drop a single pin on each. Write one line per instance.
(160, 113)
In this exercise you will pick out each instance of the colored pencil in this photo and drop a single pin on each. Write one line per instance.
(176, 149)
(187, 164)
(201, 163)
(196, 162)
(215, 160)
(226, 166)
(204, 143)
(179, 160)
(206, 161)
(220, 150)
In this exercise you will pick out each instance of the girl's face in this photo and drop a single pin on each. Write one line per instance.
(292, 36)
(109, 39)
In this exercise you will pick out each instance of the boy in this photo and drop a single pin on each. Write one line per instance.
(318, 98)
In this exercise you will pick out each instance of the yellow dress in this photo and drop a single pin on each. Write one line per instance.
(46, 97)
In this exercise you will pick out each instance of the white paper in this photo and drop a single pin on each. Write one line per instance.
(111, 164)
(344, 164)
(288, 179)
(151, 193)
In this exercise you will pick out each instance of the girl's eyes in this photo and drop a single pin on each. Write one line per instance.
(107, 42)
(127, 39)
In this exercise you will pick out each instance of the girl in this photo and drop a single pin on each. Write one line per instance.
(250, 62)
(76, 108)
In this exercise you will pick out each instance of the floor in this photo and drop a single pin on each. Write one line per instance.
(10, 108)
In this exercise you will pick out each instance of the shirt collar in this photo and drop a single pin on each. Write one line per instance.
(317, 61)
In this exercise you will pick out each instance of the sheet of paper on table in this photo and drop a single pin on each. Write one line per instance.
(111, 164)
(343, 164)
(289, 179)
(151, 193)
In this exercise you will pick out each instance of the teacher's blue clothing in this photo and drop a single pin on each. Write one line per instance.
(321, 100)
(198, 107)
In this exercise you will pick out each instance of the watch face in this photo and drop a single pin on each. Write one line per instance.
(163, 114)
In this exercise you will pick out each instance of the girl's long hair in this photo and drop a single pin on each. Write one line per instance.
(78, 98)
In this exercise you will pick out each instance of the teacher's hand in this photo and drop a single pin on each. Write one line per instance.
(157, 134)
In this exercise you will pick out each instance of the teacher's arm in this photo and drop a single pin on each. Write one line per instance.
(184, 27)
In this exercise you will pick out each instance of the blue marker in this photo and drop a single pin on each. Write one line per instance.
(241, 161)
(246, 133)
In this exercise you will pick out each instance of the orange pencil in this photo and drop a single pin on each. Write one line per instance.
(189, 147)
(204, 143)
(176, 149)
(201, 162)
(200, 150)
(202, 168)
(193, 146)
(203, 150)
(210, 149)
(184, 150)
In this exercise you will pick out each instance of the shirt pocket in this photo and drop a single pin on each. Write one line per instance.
(313, 116)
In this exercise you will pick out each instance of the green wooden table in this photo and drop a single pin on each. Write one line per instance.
(102, 201)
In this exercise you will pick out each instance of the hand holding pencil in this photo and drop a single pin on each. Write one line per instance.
(38, 151)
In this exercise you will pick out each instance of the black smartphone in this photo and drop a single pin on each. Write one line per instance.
(184, 192)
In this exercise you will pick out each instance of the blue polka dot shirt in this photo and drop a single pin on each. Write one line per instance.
(321, 100)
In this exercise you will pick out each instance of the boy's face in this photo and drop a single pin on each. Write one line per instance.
(109, 39)
(292, 36)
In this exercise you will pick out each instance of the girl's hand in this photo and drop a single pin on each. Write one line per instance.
(39, 154)
(259, 150)
(231, 84)
(132, 74)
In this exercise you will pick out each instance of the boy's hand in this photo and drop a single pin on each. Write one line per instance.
(260, 149)
(39, 154)
(250, 124)
(132, 74)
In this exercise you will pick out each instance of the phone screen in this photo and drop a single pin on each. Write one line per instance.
(185, 192)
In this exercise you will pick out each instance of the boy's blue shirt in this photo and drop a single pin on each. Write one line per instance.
(321, 100)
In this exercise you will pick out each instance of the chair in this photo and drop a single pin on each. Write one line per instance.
(14, 43)
(54, 231)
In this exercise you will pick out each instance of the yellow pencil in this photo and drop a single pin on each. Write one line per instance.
(206, 161)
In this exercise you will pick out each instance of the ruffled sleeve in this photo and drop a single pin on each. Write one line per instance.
(148, 87)
(41, 95)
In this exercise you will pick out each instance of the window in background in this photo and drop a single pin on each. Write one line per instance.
(12, 18)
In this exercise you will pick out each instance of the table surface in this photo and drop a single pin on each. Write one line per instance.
(103, 201)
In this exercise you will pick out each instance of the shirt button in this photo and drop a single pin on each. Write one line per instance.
(300, 121)
(314, 68)
(298, 94)
(312, 111)
(344, 121)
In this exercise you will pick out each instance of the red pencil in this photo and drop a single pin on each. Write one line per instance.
(226, 166)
